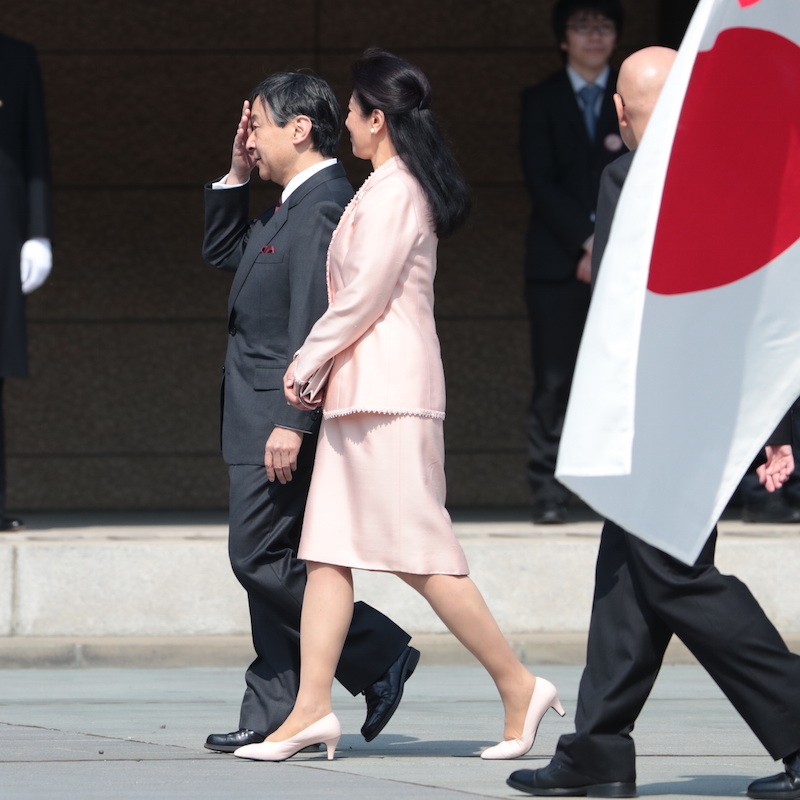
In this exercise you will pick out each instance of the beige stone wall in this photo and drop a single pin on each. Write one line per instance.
(128, 335)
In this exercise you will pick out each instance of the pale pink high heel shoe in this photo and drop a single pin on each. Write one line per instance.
(544, 698)
(326, 730)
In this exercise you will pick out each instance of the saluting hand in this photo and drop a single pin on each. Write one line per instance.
(241, 160)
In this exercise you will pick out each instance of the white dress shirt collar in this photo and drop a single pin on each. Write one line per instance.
(303, 176)
(578, 82)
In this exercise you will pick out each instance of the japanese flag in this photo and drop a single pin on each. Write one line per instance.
(691, 351)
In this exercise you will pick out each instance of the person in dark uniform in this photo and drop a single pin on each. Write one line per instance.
(569, 134)
(25, 217)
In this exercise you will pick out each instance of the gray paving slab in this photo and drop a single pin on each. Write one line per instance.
(138, 734)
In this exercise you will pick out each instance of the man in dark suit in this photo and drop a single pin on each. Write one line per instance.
(289, 131)
(643, 596)
(25, 217)
(568, 135)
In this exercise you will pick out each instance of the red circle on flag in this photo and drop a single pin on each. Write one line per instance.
(731, 201)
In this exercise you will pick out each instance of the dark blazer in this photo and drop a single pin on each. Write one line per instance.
(25, 190)
(611, 183)
(562, 172)
(278, 293)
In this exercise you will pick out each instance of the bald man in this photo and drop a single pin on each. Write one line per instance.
(643, 596)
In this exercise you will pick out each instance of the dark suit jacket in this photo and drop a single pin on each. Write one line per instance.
(562, 172)
(25, 190)
(275, 299)
(611, 183)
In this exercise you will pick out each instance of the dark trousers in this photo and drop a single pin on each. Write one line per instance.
(2, 453)
(265, 523)
(557, 313)
(642, 596)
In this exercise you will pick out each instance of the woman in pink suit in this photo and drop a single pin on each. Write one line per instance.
(377, 494)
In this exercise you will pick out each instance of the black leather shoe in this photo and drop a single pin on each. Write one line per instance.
(549, 514)
(228, 742)
(557, 781)
(384, 695)
(11, 525)
(784, 786)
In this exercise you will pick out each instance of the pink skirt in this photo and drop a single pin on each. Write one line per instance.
(377, 497)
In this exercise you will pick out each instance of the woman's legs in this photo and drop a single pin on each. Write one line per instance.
(460, 605)
(324, 622)
(325, 619)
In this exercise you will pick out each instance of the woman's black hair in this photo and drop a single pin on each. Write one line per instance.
(382, 81)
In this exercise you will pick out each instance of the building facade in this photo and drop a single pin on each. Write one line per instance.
(128, 335)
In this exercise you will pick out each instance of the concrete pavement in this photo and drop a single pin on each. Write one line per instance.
(132, 594)
(137, 734)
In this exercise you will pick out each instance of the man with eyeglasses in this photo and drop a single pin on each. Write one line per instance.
(569, 134)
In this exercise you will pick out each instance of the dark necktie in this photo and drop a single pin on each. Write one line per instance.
(589, 95)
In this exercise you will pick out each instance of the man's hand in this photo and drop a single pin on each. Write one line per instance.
(280, 454)
(241, 160)
(778, 468)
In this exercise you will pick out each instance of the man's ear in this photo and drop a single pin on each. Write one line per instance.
(301, 128)
(619, 104)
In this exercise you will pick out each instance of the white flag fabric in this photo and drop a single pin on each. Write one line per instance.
(691, 351)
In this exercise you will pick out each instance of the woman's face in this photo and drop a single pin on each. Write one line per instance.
(358, 126)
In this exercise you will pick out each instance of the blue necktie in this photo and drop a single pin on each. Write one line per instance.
(589, 95)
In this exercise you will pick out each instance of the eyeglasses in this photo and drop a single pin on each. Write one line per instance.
(586, 29)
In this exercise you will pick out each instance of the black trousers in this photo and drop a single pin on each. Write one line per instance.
(557, 313)
(265, 523)
(643, 596)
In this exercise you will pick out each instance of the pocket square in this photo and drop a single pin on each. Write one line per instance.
(268, 249)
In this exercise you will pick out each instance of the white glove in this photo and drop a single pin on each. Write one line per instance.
(36, 261)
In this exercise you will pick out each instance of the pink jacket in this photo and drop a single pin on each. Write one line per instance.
(379, 325)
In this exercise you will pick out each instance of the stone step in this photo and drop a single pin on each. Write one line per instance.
(98, 589)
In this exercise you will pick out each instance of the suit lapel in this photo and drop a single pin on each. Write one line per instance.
(607, 121)
(261, 236)
(573, 115)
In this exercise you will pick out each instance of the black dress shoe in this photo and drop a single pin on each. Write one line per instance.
(228, 742)
(384, 695)
(557, 781)
(549, 514)
(11, 525)
(784, 786)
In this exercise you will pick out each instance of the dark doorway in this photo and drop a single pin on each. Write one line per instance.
(673, 19)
